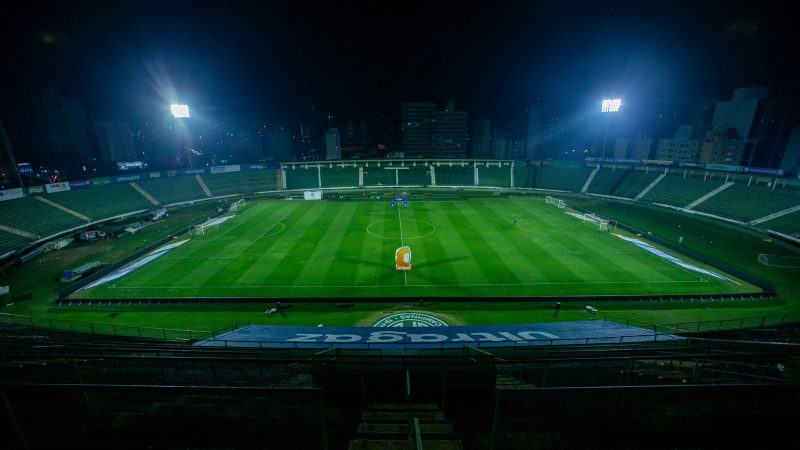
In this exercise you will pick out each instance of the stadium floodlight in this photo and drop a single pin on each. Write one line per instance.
(179, 111)
(611, 104)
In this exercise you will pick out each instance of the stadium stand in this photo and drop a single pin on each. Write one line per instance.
(298, 177)
(103, 202)
(31, 215)
(414, 176)
(787, 224)
(635, 181)
(563, 176)
(745, 203)
(456, 175)
(607, 179)
(377, 176)
(11, 241)
(173, 189)
(675, 190)
(232, 183)
(494, 176)
(524, 174)
(339, 176)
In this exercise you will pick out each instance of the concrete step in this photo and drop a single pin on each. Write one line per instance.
(370, 444)
(389, 416)
(402, 428)
(402, 406)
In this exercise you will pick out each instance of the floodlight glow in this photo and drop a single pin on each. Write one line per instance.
(179, 111)
(611, 104)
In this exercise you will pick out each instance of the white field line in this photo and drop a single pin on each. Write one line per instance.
(548, 283)
(405, 274)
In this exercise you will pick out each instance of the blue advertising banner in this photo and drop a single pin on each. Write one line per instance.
(763, 171)
(82, 184)
(399, 336)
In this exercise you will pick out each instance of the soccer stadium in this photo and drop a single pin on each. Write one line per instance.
(410, 303)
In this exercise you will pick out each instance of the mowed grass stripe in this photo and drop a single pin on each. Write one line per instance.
(588, 244)
(430, 264)
(465, 267)
(333, 226)
(492, 263)
(346, 256)
(544, 262)
(505, 237)
(282, 255)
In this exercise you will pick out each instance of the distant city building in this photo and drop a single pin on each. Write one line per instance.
(62, 122)
(539, 133)
(449, 132)
(681, 148)
(279, 144)
(333, 144)
(739, 113)
(640, 147)
(481, 139)
(702, 117)
(115, 141)
(722, 148)
(415, 127)
(426, 131)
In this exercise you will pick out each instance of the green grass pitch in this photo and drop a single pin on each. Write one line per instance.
(460, 248)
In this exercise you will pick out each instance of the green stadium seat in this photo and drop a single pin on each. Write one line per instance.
(173, 189)
(676, 190)
(745, 203)
(104, 202)
(246, 182)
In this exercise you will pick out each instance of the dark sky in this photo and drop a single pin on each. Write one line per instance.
(125, 59)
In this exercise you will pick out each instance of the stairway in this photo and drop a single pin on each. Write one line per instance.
(385, 426)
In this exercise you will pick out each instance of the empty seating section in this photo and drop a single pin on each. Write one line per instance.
(11, 241)
(562, 177)
(746, 203)
(524, 175)
(635, 182)
(378, 176)
(103, 202)
(607, 179)
(494, 176)
(456, 175)
(36, 217)
(787, 224)
(339, 176)
(173, 189)
(231, 183)
(414, 176)
(676, 190)
(299, 178)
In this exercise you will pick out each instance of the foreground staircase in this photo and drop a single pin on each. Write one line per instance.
(385, 426)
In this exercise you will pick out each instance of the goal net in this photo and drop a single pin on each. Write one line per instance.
(594, 219)
(789, 262)
(561, 204)
(237, 205)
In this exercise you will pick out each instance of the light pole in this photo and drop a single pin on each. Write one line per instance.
(609, 106)
(179, 112)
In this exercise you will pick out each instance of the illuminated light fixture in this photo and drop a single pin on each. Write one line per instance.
(179, 111)
(611, 104)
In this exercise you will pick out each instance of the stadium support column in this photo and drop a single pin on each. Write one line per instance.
(433, 176)
(319, 176)
(360, 176)
(511, 174)
(477, 180)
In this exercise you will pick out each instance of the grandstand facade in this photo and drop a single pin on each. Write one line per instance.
(766, 203)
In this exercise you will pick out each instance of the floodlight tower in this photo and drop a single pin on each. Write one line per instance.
(180, 112)
(609, 107)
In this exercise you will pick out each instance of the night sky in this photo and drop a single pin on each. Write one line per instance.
(260, 62)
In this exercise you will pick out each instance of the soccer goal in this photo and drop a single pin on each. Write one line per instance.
(561, 204)
(237, 205)
(200, 230)
(787, 262)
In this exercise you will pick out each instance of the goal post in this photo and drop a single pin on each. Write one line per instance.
(561, 204)
(786, 262)
(237, 205)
